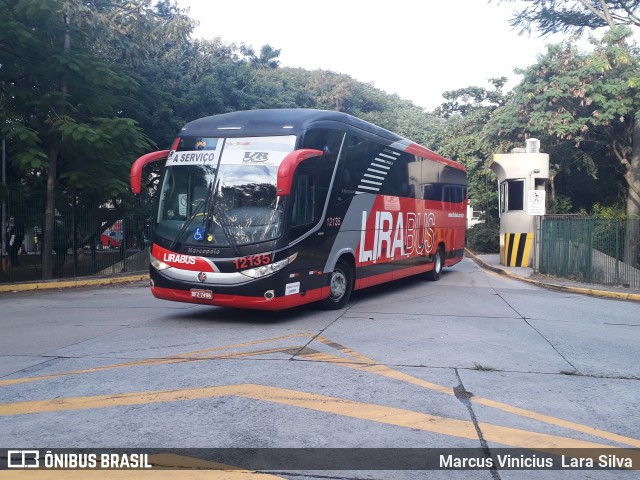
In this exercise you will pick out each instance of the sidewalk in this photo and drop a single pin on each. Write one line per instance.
(73, 282)
(526, 274)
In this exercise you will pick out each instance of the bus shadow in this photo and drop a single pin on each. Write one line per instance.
(407, 285)
(222, 315)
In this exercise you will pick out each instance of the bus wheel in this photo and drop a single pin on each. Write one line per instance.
(340, 287)
(438, 263)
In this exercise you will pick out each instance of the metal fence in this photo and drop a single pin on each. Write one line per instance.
(89, 239)
(586, 249)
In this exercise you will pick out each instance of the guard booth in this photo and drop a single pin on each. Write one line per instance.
(522, 177)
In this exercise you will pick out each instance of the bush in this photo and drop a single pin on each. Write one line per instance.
(606, 212)
(484, 238)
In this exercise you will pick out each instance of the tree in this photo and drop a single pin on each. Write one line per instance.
(582, 102)
(573, 16)
(564, 16)
(152, 45)
(467, 112)
(60, 104)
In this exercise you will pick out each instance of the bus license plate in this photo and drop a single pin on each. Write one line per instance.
(206, 294)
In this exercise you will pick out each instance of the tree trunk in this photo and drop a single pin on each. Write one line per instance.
(50, 215)
(52, 177)
(632, 235)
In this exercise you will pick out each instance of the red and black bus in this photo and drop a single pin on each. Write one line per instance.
(271, 209)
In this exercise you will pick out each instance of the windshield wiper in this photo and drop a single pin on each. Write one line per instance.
(224, 223)
(213, 208)
(210, 203)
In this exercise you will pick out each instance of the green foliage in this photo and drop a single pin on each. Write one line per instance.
(463, 138)
(60, 102)
(589, 98)
(93, 84)
(135, 60)
(563, 205)
(581, 105)
(606, 212)
(55, 91)
(484, 238)
(553, 16)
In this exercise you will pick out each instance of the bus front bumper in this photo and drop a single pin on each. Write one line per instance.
(236, 301)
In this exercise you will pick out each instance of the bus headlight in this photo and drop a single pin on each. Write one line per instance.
(158, 264)
(265, 270)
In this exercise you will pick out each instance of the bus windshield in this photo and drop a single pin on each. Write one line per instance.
(222, 192)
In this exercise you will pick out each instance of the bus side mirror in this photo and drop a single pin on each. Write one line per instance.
(288, 168)
(136, 168)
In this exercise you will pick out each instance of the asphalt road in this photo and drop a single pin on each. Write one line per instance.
(475, 360)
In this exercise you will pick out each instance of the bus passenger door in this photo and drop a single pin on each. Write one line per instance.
(309, 192)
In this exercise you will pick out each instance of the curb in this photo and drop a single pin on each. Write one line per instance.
(80, 282)
(634, 297)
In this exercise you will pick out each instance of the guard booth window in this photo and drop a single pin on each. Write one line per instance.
(511, 195)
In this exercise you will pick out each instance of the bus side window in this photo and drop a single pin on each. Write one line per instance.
(305, 209)
(398, 181)
(355, 158)
(448, 193)
(173, 199)
(433, 192)
(327, 140)
(367, 166)
(302, 211)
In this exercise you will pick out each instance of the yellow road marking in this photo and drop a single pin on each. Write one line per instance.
(596, 432)
(353, 360)
(337, 406)
(385, 371)
(143, 363)
(147, 362)
(169, 462)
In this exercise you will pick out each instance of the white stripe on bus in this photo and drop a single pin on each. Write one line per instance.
(373, 176)
(386, 167)
(382, 160)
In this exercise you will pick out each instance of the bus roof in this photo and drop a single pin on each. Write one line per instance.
(294, 121)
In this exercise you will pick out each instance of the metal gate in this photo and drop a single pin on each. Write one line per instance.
(585, 249)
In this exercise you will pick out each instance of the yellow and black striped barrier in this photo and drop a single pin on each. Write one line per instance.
(515, 249)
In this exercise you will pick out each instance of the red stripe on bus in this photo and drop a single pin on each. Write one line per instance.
(389, 276)
(416, 149)
(240, 301)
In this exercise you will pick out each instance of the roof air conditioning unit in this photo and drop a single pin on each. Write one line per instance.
(533, 145)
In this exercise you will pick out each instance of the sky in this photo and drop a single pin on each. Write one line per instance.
(417, 49)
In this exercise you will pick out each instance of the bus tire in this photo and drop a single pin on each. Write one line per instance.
(438, 264)
(340, 287)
